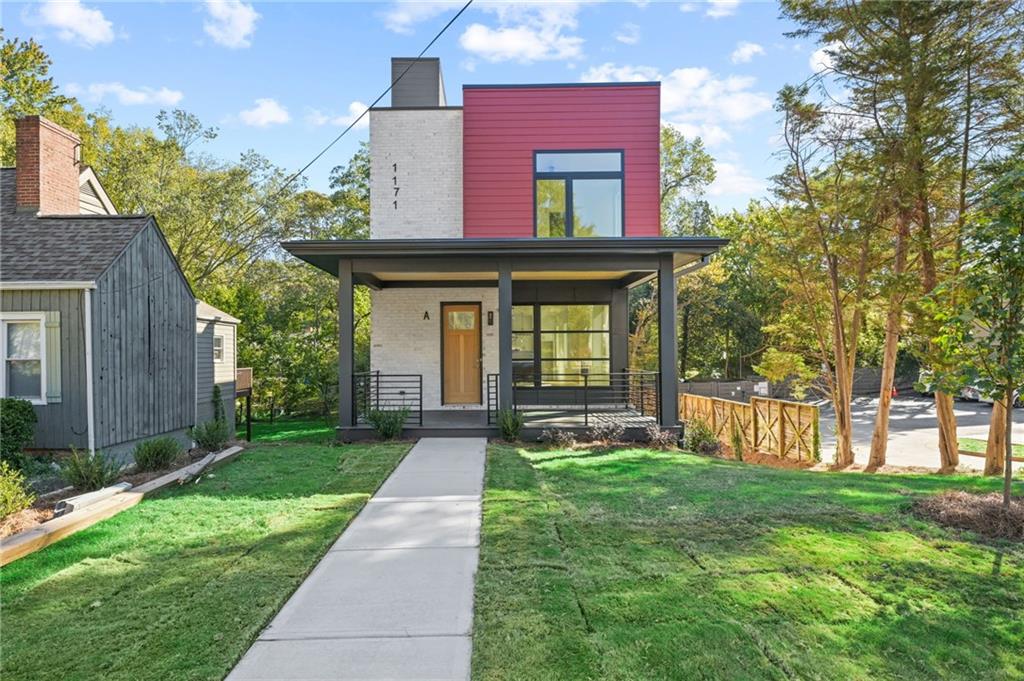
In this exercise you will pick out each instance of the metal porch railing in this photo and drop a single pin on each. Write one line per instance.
(374, 391)
(617, 396)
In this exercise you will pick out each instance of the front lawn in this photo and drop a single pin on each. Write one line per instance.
(971, 444)
(645, 565)
(180, 585)
(319, 429)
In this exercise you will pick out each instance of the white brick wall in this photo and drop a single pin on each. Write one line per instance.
(419, 151)
(403, 342)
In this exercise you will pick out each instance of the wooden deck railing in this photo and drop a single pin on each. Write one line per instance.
(788, 430)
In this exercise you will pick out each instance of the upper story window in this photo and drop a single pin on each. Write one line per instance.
(218, 348)
(578, 193)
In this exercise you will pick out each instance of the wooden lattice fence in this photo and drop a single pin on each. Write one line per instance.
(788, 430)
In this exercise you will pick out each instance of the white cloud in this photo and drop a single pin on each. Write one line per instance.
(734, 180)
(821, 59)
(266, 112)
(695, 100)
(318, 118)
(231, 23)
(688, 7)
(629, 34)
(127, 96)
(721, 8)
(525, 33)
(402, 17)
(74, 22)
(745, 51)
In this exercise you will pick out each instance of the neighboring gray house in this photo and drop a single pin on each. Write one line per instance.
(216, 361)
(98, 324)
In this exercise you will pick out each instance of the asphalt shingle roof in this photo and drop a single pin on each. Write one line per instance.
(59, 248)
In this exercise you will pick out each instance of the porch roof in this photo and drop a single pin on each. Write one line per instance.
(631, 260)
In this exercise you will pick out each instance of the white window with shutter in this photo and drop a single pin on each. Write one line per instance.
(23, 346)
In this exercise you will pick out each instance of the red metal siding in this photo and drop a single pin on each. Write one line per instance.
(503, 126)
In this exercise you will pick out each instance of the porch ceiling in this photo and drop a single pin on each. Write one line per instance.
(628, 259)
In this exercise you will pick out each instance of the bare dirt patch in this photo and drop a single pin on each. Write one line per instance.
(980, 513)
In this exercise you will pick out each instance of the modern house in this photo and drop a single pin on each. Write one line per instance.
(98, 325)
(505, 236)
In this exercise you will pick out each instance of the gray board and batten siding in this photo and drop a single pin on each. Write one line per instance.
(62, 421)
(144, 345)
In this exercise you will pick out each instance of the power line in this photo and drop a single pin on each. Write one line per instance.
(291, 178)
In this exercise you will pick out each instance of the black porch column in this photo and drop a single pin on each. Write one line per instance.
(504, 335)
(346, 345)
(668, 368)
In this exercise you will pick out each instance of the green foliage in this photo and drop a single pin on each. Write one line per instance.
(212, 435)
(388, 423)
(510, 423)
(244, 538)
(14, 493)
(699, 438)
(218, 404)
(17, 428)
(155, 454)
(87, 471)
(558, 437)
(736, 442)
(686, 171)
(779, 366)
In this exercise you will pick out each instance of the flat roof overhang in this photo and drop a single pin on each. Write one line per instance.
(383, 262)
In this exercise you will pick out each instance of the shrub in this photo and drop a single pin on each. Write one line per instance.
(700, 439)
(388, 423)
(14, 494)
(661, 439)
(606, 433)
(17, 427)
(510, 423)
(218, 405)
(212, 435)
(89, 471)
(736, 442)
(558, 437)
(160, 452)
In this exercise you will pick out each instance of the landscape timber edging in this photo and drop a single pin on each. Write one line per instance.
(29, 541)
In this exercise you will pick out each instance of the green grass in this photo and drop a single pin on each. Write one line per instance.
(180, 585)
(309, 429)
(974, 445)
(635, 564)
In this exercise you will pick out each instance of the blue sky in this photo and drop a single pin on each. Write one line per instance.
(284, 78)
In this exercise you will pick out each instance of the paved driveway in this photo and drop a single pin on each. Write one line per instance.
(913, 430)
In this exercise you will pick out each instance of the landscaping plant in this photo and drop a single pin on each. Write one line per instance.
(510, 423)
(607, 433)
(17, 427)
(212, 435)
(87, 471)
(559, 437)
(662, 439)
(14, 493)
(160, 452)
(388, 423)
(736, 442)
(700, 439)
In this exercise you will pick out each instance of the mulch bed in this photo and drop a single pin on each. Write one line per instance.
(980, 513)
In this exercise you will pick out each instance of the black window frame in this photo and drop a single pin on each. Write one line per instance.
(536, 373)
(568, 177)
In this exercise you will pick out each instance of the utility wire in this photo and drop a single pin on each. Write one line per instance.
(303, 169)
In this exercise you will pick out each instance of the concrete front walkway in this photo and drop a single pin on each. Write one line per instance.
(393, 598)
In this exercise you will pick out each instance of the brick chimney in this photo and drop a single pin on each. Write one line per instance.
(47, 167)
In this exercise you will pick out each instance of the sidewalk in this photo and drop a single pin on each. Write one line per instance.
(393, 598)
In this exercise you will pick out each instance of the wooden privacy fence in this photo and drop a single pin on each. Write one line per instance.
(788, 430)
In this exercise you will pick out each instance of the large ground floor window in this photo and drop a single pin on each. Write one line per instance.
(557, 345)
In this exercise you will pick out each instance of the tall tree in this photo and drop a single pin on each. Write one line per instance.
(980, 313)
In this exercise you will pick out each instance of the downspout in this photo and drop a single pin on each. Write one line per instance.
(89, 410)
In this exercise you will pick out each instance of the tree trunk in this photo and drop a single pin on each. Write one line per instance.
(1008, 458)
(949, 448)
(880, 436)
(996, 443)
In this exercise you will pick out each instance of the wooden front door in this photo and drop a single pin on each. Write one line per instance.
(460, 353)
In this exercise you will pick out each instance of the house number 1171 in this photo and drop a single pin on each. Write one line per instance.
(394, 180)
